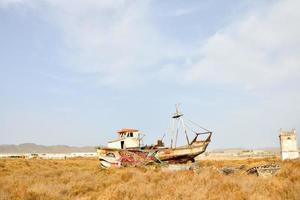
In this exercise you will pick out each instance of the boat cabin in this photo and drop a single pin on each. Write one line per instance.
(127, 138)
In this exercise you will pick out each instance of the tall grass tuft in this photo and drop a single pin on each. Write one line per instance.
(83, 179)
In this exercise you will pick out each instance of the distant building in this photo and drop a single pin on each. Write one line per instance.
(128, 138)
(288, 144)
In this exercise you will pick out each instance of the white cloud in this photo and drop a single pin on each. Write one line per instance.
(258, 55)
(118, 41)
(261, 49)
(111, 38)
(7, 3)
(115, 39)
(183, 11)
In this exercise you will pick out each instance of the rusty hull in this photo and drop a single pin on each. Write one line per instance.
(110, 157)
(184, 153)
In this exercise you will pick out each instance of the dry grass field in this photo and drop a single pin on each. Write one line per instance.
(83, 179)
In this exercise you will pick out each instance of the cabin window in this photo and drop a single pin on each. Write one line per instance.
(131, 134)
(111, 155)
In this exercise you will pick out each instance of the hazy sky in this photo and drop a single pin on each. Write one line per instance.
(73, 72)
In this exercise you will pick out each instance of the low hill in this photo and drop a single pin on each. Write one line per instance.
(34, 148)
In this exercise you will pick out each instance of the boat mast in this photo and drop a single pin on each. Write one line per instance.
(185, 132)
(178, 116)
(172, 132)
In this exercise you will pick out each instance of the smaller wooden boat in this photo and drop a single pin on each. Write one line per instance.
(185, 153)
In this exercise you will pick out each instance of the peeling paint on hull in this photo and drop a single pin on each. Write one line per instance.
(132, 157)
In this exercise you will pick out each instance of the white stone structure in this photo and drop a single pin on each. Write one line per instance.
(128, 138)
(288, 144)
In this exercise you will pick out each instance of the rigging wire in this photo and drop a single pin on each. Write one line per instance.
(198, 125)
(181, 124)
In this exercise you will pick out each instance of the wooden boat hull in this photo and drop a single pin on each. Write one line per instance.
(182, 154)
(106, 162)
(110, 157)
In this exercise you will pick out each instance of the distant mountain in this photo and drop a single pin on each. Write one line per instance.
(34, 148)
(270, 149)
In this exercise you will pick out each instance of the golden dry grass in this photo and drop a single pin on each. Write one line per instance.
(83, 179)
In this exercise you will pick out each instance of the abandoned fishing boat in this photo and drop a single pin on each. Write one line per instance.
(128, 150)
